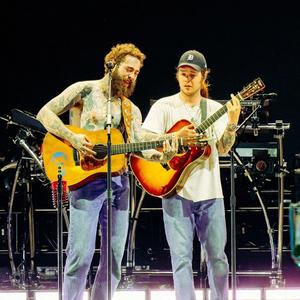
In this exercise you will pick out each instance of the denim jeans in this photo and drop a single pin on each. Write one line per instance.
(181, 219)
(88, 206)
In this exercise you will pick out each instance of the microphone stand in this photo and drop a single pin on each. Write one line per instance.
(233, 211)
(59, 232)
(109, 189)
(233, 225)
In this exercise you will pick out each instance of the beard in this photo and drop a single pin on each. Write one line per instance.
(118, 87)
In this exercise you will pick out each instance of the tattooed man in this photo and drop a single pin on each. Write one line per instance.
(87, 103)
(198, 205)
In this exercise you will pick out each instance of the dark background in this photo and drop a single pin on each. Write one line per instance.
(49, 45)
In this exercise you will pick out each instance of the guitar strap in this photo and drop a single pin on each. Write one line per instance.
(203, 108)
(127, 116)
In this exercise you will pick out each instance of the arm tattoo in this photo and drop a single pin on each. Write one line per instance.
(71, 95)
(151, 136)
(48, 114)
(226, 142)
(151, 155)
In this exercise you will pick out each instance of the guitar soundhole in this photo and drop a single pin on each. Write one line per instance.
(101, 151)
(165, 166)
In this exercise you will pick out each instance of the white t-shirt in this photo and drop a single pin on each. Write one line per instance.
(204, 180)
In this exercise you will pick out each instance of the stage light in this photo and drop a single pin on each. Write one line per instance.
(166, 295)
(119, 295)
(283, 294)
(241, 294)
(132, 295)
(249, 294)
(170, 295)
(52, 295)
(13, 296)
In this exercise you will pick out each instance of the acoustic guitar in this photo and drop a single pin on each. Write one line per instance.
(77, 170)
(163, 180)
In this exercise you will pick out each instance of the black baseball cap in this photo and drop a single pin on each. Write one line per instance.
(194, 59)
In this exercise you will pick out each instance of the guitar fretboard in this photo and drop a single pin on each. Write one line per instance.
(213, 118)
(250, 90)
(135, 147)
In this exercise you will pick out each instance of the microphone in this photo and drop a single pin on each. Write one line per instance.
(110, 64)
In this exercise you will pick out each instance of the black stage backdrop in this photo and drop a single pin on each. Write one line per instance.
(47, 46)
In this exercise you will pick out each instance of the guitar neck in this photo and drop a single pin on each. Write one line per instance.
(251, 89)
(135, 147)
(212, 119)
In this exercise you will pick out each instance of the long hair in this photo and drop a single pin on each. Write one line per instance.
(205, 83)
(118, 52)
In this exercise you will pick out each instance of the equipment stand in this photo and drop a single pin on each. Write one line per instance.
(233, 225)
(233, 210)
(276, 277)
(22, 276)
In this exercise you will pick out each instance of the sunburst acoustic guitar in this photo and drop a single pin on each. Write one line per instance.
(163, 180)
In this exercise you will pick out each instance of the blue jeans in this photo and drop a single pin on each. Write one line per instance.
(88, 206)
(181, 218)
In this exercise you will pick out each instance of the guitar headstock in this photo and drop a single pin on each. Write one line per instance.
(251, 89)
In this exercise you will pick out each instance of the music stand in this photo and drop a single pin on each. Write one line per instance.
(27, 121)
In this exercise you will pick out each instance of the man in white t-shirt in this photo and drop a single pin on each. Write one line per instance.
(198, 205)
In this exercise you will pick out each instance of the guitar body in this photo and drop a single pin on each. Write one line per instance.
(75, 169)
(165, 179)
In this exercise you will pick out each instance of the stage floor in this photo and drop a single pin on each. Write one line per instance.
(143, 284)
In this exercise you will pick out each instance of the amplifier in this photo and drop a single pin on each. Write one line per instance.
(255, 149)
